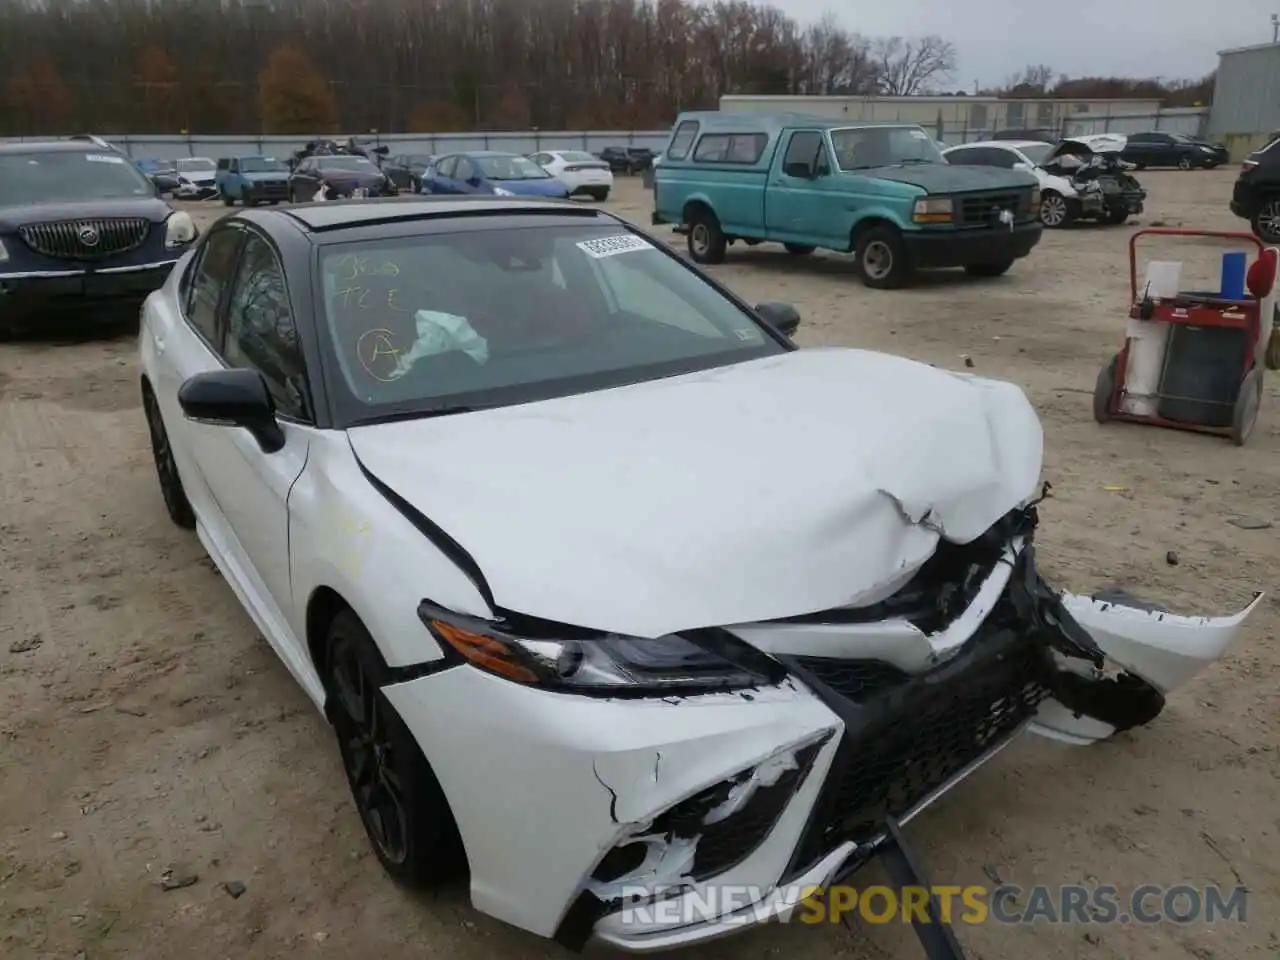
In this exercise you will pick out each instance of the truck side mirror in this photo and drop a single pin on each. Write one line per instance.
(800, 170)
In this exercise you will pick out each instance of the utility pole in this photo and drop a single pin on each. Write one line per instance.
(1275, 27)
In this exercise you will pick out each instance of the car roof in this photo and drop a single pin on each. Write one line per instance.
(1006, 144)
(748, 121)
(53, 146)
(341, 214)
(487, 153)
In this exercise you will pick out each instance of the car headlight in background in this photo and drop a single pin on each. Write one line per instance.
(573, 660)
(179, 229)
(1207, 149)
(499, 192)
(932, 210)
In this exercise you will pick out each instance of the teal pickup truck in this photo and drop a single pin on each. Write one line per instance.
(252, 180)
(881, 191)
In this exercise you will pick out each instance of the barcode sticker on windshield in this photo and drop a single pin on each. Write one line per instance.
(102, 158)
(611, 246)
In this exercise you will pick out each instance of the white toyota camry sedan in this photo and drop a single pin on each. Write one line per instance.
(614, 597)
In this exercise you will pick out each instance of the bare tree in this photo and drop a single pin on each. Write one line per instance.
(907, 67)
(1034, 80)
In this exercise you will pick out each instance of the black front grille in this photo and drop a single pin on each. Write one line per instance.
(984, 209)
(907, 736)
(86, 239)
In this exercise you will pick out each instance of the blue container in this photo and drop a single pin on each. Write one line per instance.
(1234, 266)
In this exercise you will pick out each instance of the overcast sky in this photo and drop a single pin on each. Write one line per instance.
(994, 38)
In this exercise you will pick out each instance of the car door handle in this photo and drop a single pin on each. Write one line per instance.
(159, 342)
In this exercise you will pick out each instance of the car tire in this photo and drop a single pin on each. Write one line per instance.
(1184, 163)
(600, 196)
(1056, 211)
(882, 260)
(400, 802)
(997, 269)
(175, 496)
(1266, 221)
(799, 249)
(1115, 217)
(707, 242)
(1104, 390)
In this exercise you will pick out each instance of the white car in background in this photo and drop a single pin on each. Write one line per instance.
(196, 177)
(1081, 178)
(581, 172)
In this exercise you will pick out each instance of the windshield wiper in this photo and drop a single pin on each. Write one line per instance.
(423, 413)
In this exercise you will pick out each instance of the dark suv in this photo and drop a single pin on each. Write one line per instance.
(1172, 150)
(1257, 192)
(80, 225)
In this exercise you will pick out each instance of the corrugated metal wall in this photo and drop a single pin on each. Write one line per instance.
(1246, 98)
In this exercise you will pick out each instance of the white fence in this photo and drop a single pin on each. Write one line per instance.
(169, 147)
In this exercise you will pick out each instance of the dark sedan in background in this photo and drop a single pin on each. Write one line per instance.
(342, 176)
(1173, 150)
(80, 226)
(407, 169)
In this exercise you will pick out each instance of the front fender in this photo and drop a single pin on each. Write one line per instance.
(348, 537)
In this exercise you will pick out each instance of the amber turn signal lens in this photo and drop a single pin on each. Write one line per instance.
(484, 652)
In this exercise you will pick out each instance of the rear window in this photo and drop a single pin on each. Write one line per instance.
(730, 148)
(575, 156)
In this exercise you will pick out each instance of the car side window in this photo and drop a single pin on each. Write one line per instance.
(682, 140)
(446, 167)
(209, 278)
(965, 157)
(803, 149)
(261, 334)
(999, 157)
(464, 170)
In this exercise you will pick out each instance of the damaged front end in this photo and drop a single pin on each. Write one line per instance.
(998, 652)
(1093, 166)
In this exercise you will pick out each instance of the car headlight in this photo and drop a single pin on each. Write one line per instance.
(932, 210)
(573, 660)
(1207, 149)
(499, 192)
(179, 229)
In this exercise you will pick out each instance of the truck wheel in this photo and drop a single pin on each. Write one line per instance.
(1104, 389)
(226, 199)
(1056, 210)
(707, 242)
(1266, 222)
(882, 260)
(988, 269)
(799, 249)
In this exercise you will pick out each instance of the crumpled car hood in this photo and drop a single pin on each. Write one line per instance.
(767, 489)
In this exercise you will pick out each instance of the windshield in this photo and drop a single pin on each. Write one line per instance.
(53, 177)
(864, 147)
(196, 165)
(510, 168)
(1037, 153)
(261, 165)
(497, 316)
(354, 164)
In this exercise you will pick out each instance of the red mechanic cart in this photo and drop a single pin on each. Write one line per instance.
(1209, 356)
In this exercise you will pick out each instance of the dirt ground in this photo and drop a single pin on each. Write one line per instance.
(143, 722)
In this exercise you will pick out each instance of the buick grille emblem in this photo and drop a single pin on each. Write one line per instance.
(88, 235)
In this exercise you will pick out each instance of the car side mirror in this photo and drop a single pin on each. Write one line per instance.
(473, 181)
(782, 316)
(800, 170)
(233, 398)
(382, 151)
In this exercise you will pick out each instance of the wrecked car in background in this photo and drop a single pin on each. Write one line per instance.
(491, 486)
(1094, 181)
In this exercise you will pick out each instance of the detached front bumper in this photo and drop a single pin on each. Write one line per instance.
(961, 247)
(25, 293)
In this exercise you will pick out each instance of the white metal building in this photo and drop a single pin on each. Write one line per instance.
(1246, 97)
